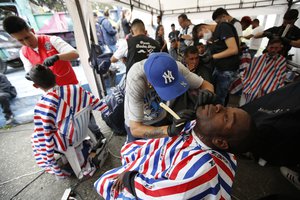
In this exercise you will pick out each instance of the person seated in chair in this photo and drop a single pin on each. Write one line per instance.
(50, 113)
(196, 163)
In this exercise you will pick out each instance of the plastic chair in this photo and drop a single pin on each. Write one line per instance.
(80, 123)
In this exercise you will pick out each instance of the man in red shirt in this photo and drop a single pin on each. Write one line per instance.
(51, 51)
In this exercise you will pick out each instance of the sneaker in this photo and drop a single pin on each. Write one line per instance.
(9, 120)
(291, 176)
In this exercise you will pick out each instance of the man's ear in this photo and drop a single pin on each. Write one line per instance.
(32, 30)
(35, 85)
(220, 143)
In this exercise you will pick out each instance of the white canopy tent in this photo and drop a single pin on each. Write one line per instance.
(270, 13)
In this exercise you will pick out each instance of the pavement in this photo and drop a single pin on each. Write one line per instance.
(21, 178)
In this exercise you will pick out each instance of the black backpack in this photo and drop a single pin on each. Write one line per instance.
(98, 60)
(115, 102)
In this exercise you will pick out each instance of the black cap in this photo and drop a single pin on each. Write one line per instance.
(291, 14)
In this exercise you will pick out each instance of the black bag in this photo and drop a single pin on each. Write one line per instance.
(98, 60)
(115, 102)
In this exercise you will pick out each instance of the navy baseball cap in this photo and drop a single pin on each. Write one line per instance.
(162, 72)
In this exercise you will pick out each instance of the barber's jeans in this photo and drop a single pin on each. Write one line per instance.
(222, 81)
(4, 101)
(93, 125)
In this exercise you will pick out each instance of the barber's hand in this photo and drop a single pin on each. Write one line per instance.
(178, 124)
(286, 41)
(268, 35)
(205, 97)
(51, 60)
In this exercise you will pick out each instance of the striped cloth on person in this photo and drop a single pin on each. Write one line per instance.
(179, 167)
(53, 128)
(264, 75)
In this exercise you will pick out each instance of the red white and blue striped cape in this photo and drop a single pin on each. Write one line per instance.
(53, 128)
(263, 76)
(180, 167)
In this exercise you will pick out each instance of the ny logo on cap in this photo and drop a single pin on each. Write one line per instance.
(168, 77)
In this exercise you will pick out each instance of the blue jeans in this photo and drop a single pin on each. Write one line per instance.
(222, 81)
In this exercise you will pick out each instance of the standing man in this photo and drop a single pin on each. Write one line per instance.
(221, 15)
(254, 42)
(137, 47)
(109, 32)
(291, 38)
(173, 39)
(50, 51)
(224, 42)
(151, 81)
(7, 92)
(186, 33)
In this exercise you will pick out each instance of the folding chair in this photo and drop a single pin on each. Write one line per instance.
(76, 136)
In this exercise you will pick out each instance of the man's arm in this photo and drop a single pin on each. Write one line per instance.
(232, 49)
(295, 43)
(248, 37)
(259, 35)
(26, 63)
(140, 130)
(66, 51)
(207, 86)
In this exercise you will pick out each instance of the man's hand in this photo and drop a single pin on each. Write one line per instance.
(118, 184)
(205, 97)
(178, 124)
(51, 60)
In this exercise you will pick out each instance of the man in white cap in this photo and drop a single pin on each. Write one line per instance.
(151, 81)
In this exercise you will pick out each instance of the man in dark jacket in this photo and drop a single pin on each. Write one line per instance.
(109, 32)
(7, 92)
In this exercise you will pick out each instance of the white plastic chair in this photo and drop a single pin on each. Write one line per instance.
(81, 132)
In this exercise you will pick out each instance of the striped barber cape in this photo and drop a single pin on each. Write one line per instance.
(53, 127)
(180, 167)
(264, 75)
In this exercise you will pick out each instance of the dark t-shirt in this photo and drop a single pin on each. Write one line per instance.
(173, 35)
(222, 32)
(292, 34)
(161, 42)
(139, 47)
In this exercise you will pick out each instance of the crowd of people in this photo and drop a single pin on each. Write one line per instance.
(186, 157)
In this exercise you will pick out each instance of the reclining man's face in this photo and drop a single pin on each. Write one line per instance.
(216, 121)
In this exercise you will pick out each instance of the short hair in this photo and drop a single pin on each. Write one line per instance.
(195, 31)
(274, 41)
(218, 12)
(191, 50)
(138, 24)
(42, 76)
(291, 14)
(247, 20)
(172, 25)
(183, 16)
(255, 21)
(14, 24)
